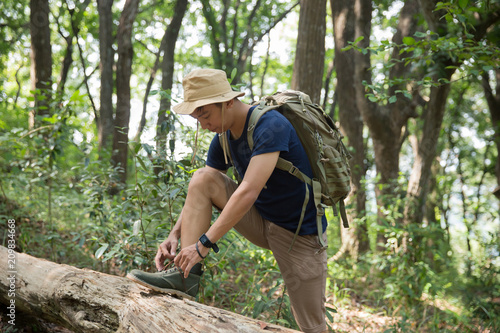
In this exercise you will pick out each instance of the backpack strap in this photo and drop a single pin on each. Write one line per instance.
(288, 166)
(343, 214)
(258, 112)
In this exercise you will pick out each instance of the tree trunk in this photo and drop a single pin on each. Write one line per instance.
(88, 301)
(426, 153)
(41, 59)
(105, 120)
(351, 123)
(66, 65)
(310, 52)
(123, 74)
(493, 99)
(167, 74)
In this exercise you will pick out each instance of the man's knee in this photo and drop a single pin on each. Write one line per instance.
(209, 181)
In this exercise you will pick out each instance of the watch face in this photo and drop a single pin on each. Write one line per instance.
(205, 241)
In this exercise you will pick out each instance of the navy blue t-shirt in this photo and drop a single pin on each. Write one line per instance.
(282, 198)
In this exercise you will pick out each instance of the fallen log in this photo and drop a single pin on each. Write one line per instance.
(87, 301)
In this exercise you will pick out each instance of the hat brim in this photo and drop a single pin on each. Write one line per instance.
(190, 107)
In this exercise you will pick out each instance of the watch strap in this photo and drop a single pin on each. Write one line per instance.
(207, 243)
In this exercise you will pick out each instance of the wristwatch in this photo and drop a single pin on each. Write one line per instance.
(207, 243)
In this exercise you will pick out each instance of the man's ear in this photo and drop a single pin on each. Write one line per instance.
(230, 103)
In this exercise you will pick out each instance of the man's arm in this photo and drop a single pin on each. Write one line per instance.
(258, 172)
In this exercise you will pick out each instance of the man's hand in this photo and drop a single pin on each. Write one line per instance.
(188, 257)
(166, 250)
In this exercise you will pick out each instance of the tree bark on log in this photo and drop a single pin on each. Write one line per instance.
(88, 301)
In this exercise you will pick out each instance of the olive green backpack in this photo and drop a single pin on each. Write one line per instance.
(322, 142)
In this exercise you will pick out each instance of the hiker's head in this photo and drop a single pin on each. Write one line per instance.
(210, 116)
(203, 87)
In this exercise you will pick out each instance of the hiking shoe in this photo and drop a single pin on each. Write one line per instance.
(170, 281)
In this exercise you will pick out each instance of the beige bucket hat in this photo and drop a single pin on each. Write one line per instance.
(203, 87)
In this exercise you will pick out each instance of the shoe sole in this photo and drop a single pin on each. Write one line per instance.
(177, 293)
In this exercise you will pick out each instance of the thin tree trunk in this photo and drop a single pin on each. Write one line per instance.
(105, 118)
(167, 47)
(66, 64)
(493, 99)
(310, 52)
(123, 73)
(326, 86)
(167, 74)
(351, 123)
(266, 66)
(41, 59)
(87, 301)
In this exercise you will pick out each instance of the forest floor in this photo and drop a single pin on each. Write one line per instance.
(351, 319)
(355, 318)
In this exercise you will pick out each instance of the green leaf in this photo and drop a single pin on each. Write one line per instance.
(174, 192)
(166, 94)
(463, 3)
(359, 39)
(137, 148)
(393, 99)
(141, 162)
(76, 96)
(136, 228)
(329, 312)
(329, 316)
(51, 120)
(101, 250)
(148, 148)
(233, 74)
(347, 48)
(409, 40)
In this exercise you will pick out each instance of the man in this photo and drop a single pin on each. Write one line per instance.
(265, 207)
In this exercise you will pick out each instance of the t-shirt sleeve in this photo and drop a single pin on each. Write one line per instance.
(271, 134)
(215, 155)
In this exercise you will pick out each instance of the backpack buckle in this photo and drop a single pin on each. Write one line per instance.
(320, 209)
(294, 170)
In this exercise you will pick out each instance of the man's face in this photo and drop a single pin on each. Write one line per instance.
(209, 117)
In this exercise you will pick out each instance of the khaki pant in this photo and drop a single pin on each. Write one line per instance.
(304, 268)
